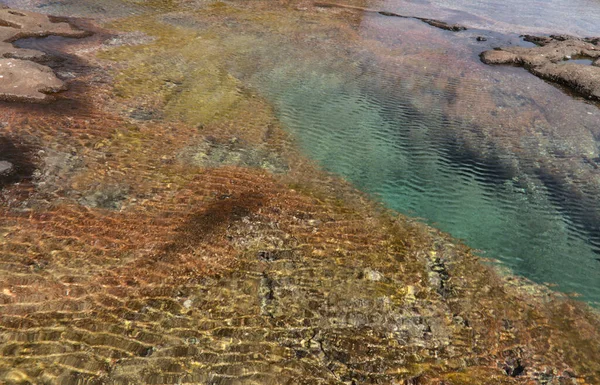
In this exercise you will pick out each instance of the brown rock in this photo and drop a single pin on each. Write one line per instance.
(543, 61)
(22, 24)
(21, 79)
(500, 57)
(584, 79)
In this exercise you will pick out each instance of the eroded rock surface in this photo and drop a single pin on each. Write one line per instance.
(26, 80)
(20, 78)
(548, 61)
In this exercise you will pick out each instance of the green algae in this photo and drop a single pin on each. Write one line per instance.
(156, 5)
(182, 71)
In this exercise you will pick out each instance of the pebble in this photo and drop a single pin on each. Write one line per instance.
(5, 167)
(373, 275)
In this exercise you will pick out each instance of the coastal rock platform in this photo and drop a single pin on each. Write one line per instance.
(20, 78)
(169, 231)
(550, 60)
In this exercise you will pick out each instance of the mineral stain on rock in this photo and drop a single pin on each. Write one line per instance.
(547, 61)
(20, 78)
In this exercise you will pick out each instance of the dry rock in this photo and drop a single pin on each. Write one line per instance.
(20, 78)
(24, 80)
(547, 61)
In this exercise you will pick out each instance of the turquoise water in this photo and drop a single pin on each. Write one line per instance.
(406, 159)
(386, 128)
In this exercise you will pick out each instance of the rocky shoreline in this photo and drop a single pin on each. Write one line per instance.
(151, 242)
(551, 61)
(432, 22)
(23, 79)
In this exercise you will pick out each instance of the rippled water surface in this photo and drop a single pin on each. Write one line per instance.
(402, 157)
(194, 206)
(395, 131)
(491, 155)
(578, 17)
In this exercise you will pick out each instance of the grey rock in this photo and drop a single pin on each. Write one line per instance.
(5, 167)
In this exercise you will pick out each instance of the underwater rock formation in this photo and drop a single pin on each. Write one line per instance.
(15, 162)
(209, 266)
(432, 22)
(22, 79)
(547, 61)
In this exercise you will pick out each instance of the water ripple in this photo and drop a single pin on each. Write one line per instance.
(381, 142)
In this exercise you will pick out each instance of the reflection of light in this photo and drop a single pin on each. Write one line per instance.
(576, 17)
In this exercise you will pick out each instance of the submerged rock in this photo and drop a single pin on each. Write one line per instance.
(432, 22)
(5, 167)
(547, 61)
(213, 152)
(226, 271)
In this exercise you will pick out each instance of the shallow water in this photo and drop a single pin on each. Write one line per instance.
(159, 224)
(578, 17)
(417, 128)
(396, 154)
(418, 155)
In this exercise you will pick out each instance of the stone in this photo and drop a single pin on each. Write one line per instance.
(23, 80)
(5, 167)
(547, 61)
(373, 275)
(20, 78)
(583, 79)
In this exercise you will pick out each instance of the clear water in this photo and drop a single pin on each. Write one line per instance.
(389, 129)
(394, 153)
(399, 142)
(156, 239)
(579, 17)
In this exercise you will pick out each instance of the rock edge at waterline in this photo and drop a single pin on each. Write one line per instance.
(551, 61)
(20, 78)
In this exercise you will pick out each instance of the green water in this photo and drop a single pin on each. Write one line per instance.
(407, 160)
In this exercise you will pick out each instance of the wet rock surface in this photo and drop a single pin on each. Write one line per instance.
(21, 79)
(546, 60)
(16, 163)
(6, 167)
(27, 81)
(432, 22)
(163, 251)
